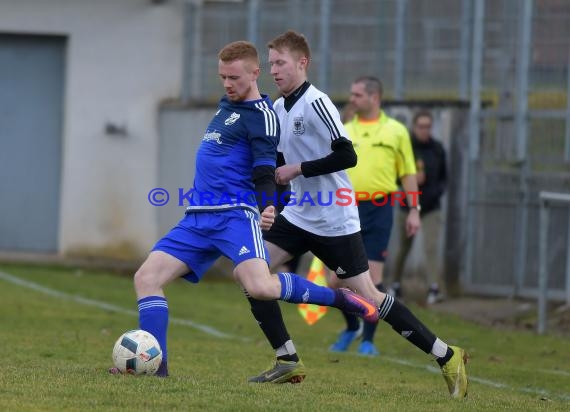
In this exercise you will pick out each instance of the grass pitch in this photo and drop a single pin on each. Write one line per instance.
(58, 329)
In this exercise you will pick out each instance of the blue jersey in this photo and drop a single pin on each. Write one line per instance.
(241, 136)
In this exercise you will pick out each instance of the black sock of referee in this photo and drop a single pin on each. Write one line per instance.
(352, 322)
(270, 320)
(407, 325)
(370, 327)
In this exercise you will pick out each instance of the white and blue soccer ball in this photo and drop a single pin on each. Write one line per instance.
(137, 352)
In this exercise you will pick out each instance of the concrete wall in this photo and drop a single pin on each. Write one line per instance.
(181, 132)
(123, 58)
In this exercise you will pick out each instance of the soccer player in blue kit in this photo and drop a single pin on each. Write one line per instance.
(232, 201)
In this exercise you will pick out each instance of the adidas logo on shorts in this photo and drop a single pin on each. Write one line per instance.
(340, 271)
(243, 251)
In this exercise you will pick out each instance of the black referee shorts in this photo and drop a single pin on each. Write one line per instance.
(345, 254)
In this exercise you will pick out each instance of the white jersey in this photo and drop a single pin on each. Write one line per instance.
(307, 131)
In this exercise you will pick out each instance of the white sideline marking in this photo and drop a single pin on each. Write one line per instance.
(110, 307)
(214, 332)
(555, 372)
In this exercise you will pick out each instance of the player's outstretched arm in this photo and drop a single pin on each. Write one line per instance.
(342, 157)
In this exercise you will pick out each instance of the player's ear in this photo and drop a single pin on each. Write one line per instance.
(255, 72)
(376, 97)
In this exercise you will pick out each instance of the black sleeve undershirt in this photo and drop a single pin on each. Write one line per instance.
(282, 189)
(263, 178)
(342, 157)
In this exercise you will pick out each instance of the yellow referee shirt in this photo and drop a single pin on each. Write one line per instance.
(384, 152)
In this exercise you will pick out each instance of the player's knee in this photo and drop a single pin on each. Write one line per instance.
(261, 291)
(256, 293)
(145, 282)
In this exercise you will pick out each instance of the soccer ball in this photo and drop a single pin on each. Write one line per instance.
(137, 352)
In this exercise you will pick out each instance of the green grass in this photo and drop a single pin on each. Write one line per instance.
(57, 350)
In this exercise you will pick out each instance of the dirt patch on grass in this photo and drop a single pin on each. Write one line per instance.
(502, 313)
(507, 313)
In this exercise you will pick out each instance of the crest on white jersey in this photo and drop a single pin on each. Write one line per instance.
(298, 126)
(232, 119)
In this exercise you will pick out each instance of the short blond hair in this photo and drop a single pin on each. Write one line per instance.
(239, 50)
(295, 42)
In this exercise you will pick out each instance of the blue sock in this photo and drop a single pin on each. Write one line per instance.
(296, 289)
(153, 317)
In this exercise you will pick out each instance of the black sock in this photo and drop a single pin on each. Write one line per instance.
(291, 358)
(352, 322)
(270, 320)
(406, 324)
(370, 328)
(448, 355)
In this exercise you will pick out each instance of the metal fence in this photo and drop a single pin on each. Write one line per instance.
(506, 59)
(420, 48)
(518, 145)
(546, 199)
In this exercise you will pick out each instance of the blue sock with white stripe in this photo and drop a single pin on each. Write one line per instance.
(153, 317)
(297, 289)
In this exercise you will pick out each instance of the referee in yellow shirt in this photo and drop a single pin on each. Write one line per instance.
(385, 155)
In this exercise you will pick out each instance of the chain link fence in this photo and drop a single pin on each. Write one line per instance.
(506, 60)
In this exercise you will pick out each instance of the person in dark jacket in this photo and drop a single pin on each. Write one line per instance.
(432, 178)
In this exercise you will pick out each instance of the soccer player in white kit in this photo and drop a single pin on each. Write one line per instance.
(316, 151)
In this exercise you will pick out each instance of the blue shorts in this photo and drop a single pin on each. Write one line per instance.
(376, 225)
(202, 237)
